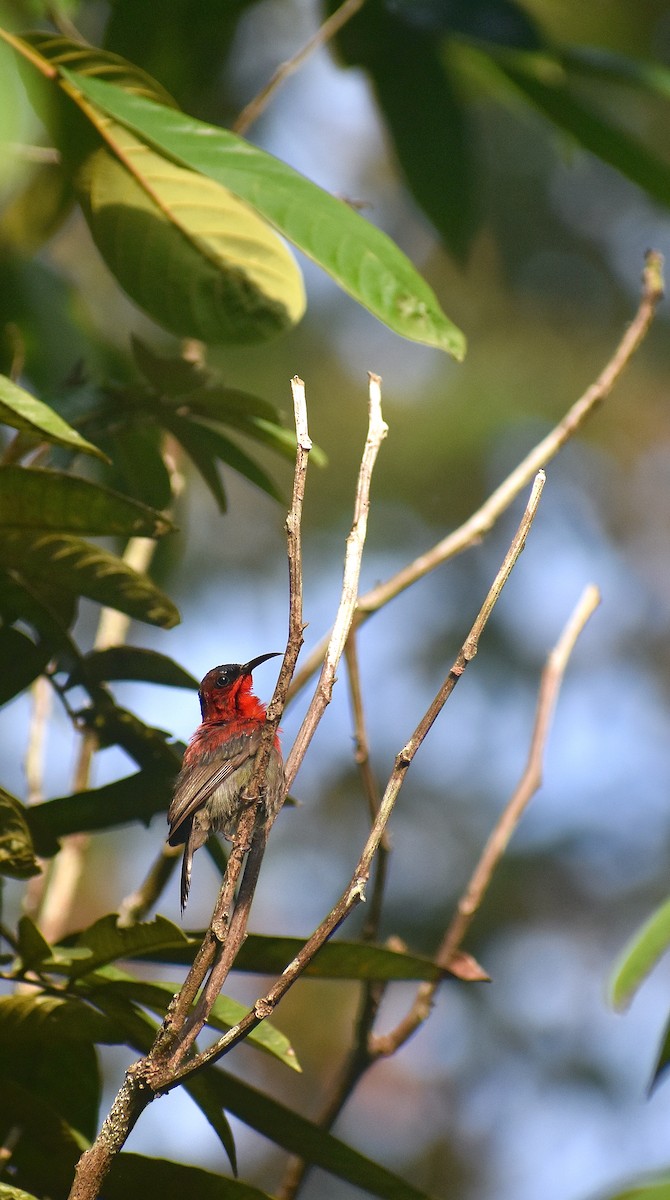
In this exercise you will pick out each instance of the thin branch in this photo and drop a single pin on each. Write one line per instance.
(142, 1080)
(355, 891)
(332, 25)
(529, 784)
(482, 521)
(377, 431)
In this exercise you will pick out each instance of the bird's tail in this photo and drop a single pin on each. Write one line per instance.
(186, 864)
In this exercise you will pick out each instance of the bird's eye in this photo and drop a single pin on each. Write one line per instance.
(221, 681)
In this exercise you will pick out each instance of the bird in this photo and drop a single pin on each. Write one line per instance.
(218, 764)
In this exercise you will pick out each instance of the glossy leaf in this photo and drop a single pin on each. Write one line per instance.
(131, 662)
(34, 499)
(640, 956)
(137, 797)
(17, 856)
(26, 1018)
(134, 1177)
(82, 569)
(26, 413)
(359, 257)
(186, 250)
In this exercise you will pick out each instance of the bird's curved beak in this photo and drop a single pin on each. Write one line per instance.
(256, 662)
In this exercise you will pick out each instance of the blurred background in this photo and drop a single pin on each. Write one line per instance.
(529, 1085)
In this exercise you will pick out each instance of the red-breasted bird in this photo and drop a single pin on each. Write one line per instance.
(219, 761)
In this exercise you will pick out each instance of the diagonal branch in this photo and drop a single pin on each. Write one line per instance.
(482, 521)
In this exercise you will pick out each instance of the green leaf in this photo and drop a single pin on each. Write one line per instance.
(336, 960)
(34, 499)
(40, 1018)
(49, 611)
(307, 1140)
(134, 1177)
(41, 207)
(640, 956)
(225, 1013)
(545, 83)
(44, 1158)
(22, 662)
(137, 797)
(32, 947)
(131, 662)
(205, 445)
(140, 465)
(108, 942)
(186, 250)
(360, 258)
(140, 1033)
(427, 122)
(17, 856)
(26, 413)
(80, 568)
(7, 1192)
(657, 1188)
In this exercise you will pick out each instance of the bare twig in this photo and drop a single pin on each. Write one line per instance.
(482, 521)
(377, 431)
(355, 892)
(332, 25)
(529, 784)
(157, 1070)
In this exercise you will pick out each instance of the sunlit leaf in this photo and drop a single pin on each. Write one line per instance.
(34, 499)
(657, 1188)
(640, 955)
(361, 259)
(82, 569)
(107, 941)
(17, 855)
(26, 413)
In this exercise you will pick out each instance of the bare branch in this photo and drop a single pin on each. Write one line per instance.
(355, 891)
(530, 782)
(377, 431)
(332, 25)
(482, 521)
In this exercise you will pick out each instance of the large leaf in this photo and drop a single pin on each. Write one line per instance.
(206, 445)
(640, 955)
(17, 856)
(406, 61)
(26, 413)
(45, 1155)
(308, 1140)
(134, 1177)
(33, 499)
(107, 942)
(185, 249)
(225, 1013)
(79, 568)
(131, 662)
(336, 960)
(46, 1045)
(50, 611)
(137, 797)
(546, 84)
(359, 257)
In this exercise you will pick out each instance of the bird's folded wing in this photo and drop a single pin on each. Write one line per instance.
(196, 784)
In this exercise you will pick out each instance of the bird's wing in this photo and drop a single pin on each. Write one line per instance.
(195, 784)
